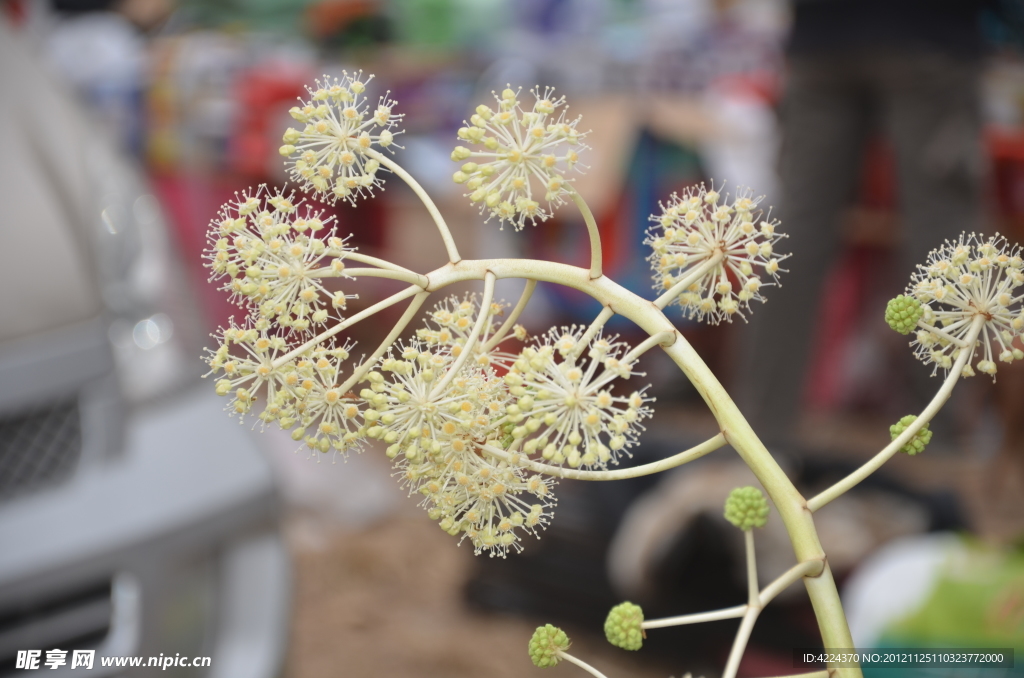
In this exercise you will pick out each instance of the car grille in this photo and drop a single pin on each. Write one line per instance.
(39, 446)
(74, 619)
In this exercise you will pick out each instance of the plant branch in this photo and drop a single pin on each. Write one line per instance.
(739, 644)
(689, 279)
(675, 460)
(467, 348)
(663, 338)
(346, 323)
(787, 578)
(442, 227)
(595, 327)
(582, 664)
(698, 618)
(759, 600)
(595, 235)
(404, 276)
(373, 261)
(367, 364)
(942, 333)
(752, 588)
(892, 448)
(524, 298)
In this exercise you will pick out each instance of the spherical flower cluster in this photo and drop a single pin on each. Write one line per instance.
(451, 323)
(565, 408)
(623, 627)
(518, 156)
(436, 436)
(920, 440)
(699, 227)
(547, 644)
(963, 280)
(746, 508)
(272, 257)
(902, 313)
(301, 393)
(330, 154)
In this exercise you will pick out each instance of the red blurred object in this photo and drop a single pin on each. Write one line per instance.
(261, 94)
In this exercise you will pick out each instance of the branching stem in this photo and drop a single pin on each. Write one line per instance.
(404, 276)
(661, 338)
(346, 323)
(892, 448)
(402, 323)
(595, 327)
(689, 279)
(435, 214)
(595, 235)
(524, 299)
(582, 664)
(675, 460)
(374, 261)
(467, 348)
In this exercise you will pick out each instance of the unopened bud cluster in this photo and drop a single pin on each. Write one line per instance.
(546, 645)
(623, 627)
(920, 439)
(746, 508)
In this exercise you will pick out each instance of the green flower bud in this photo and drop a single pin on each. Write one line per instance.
(746, 508)
(622, 627)
(546, 643)
(920, 440)
(902, 313)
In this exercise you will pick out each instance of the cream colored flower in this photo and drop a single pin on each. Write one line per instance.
(567, 409)
(271, 256)
(701, 224)
(329, 154)
(519, 157)
(973, 277)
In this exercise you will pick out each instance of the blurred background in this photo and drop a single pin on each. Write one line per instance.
(138, 519)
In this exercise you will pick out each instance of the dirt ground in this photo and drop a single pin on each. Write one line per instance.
(386, 601)
(385, 598)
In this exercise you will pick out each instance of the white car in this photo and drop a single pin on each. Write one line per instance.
(136, 519)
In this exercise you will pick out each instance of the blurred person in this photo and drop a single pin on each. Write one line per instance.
(909, 69)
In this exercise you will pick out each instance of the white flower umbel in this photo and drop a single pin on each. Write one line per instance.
(711, 256)
(972, 277)
(301, 394)
(451, 323)
(328, 417)
(566, 409)
(519, 157)
(330, 153)
(435, 439)
(244, 361)
(271, 256)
